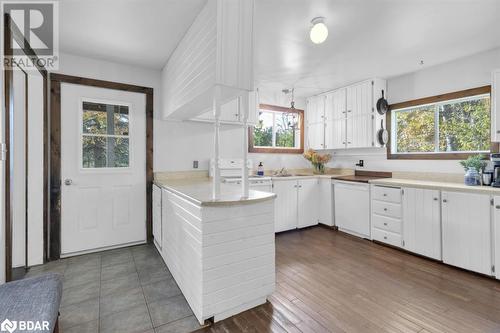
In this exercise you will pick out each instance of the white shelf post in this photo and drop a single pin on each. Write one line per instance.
(243, 106)
(216, 179)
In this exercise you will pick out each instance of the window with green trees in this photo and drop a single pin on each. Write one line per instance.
(277, 128)
(105, 135)
(458, 125)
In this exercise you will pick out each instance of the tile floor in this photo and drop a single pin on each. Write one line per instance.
(127, 290)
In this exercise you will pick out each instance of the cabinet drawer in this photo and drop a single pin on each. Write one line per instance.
(389, 194)
(386, 208)
(386, 223)
(386, 237)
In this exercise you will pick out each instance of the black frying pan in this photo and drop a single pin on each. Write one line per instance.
(382, 105)
(382, 134)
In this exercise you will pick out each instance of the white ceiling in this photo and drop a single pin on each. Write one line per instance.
(367, 38)
(136, 32)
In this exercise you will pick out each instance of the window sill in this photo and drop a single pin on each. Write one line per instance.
(435, 156)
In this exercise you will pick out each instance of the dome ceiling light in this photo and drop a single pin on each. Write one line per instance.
(319, 30)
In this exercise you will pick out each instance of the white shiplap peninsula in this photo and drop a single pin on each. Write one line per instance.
(220, 252)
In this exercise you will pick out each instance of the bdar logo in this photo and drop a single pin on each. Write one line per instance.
(8, 326)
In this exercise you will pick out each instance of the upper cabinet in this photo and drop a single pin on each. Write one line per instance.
(495, 106)
(348, 115)
(217, 51)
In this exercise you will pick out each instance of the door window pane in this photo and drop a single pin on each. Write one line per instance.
(105, 135)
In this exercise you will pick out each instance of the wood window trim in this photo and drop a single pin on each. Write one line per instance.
(274, 150)
(432, 100)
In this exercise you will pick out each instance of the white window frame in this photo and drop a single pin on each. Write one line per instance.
(437, 106)
(106, 169)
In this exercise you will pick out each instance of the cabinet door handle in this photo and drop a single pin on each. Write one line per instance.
(435, 199)
(385, 209)
(385, 194)
(385, 237)
(444, 200)
(385, 223)
(497, 206)
(349, 111)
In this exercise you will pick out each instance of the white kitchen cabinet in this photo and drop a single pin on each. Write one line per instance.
(215, 54)
(466, 227)
(422, 222)
(285, 205)
(157, 208)
(496, 235)
(495, 106)
(296, 204)
(315, 122)
(308, 205)
(315, 136)
(231, 113)
(359, 132)
(352, 208)
(325, 199)
(350, 116)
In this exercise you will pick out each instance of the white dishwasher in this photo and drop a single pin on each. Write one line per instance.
(352, 208)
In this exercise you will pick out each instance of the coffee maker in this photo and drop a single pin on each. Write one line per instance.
(495, 164)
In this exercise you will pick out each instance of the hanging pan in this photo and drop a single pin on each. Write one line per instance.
(382, 134)
(382, 105)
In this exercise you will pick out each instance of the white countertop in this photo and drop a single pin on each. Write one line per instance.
(199, 191)
(434, 185)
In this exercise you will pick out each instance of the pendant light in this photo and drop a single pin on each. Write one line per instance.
(319, 30)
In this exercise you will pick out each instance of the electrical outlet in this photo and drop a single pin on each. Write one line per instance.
(360, 164)
(195, 164)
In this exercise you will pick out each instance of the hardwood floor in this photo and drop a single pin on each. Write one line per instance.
(328, 281)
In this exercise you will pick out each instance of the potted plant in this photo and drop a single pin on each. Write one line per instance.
(318, 161)
(472, 166)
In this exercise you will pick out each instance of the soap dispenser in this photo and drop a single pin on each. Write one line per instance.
(260, 169)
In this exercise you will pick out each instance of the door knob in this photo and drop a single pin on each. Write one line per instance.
(68, 181)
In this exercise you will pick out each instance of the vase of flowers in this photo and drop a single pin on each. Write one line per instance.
(318, 161)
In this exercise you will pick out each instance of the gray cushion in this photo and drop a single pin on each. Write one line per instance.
(32, 299)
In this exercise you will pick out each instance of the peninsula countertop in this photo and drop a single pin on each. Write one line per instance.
(199, 192)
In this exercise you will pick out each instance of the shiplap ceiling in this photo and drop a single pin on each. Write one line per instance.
(367, 38)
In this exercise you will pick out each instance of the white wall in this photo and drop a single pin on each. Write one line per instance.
(470, 72)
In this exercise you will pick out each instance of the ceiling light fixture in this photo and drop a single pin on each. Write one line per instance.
(319, 30)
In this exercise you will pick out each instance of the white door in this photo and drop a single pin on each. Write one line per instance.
(496, 237)
(422, 222)
(285, 205)
(352, 208)
(467, 231)
(308, 213)
(103, 168)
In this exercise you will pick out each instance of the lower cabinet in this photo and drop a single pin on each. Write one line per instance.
(467, 231)
(496, 233)
(352, 208)
(422, 222)
(157, 216)
(296, 205)
(285, 205)
(325, 201)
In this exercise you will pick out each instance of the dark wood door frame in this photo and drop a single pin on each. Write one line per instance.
(55, 151)
(12, 32)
